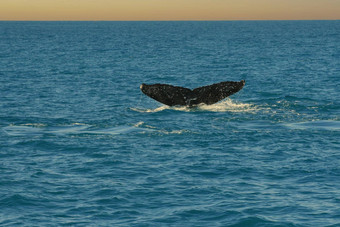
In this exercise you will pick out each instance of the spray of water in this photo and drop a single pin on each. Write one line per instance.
(225, 106)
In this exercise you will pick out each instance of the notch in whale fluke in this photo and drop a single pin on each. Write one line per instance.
(179, 96)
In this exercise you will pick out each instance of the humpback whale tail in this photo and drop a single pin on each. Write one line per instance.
(179, 96)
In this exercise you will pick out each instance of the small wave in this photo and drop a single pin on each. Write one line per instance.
(316, 125)
(67, 129)
(260, 221)
(22, 130)
(174, 131)
(17, 200)
(142, 124)
(138, 124)
(162, 131)
(36, 125)
(74, 128)
(225, 106)
(85, 129)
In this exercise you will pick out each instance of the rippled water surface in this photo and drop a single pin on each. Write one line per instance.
(81, 145)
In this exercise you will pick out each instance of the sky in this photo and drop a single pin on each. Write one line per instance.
(169, 10)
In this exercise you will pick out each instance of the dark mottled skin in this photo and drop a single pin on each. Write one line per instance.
(179, 96)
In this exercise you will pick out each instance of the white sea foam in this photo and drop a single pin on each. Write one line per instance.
(138, 124)
(174, 131)
(74, 129)
(158, 109)
(36, 125)
(148, 128)
(225, 106)
(229, 106)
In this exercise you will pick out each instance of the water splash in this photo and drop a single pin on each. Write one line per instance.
(158, 109)
(225, 106)
(230, 106)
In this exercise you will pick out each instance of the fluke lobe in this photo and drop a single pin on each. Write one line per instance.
(180, 96)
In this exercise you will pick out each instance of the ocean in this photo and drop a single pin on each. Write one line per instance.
(81, 145)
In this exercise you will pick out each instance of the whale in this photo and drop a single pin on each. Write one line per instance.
(180, 96)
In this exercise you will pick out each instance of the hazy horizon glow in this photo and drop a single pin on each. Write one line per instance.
(170, 10)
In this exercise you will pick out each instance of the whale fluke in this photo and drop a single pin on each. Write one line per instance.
(179, 96)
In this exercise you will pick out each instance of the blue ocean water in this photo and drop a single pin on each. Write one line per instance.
(81, 145)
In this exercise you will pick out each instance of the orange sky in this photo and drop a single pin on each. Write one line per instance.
(169, 9)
